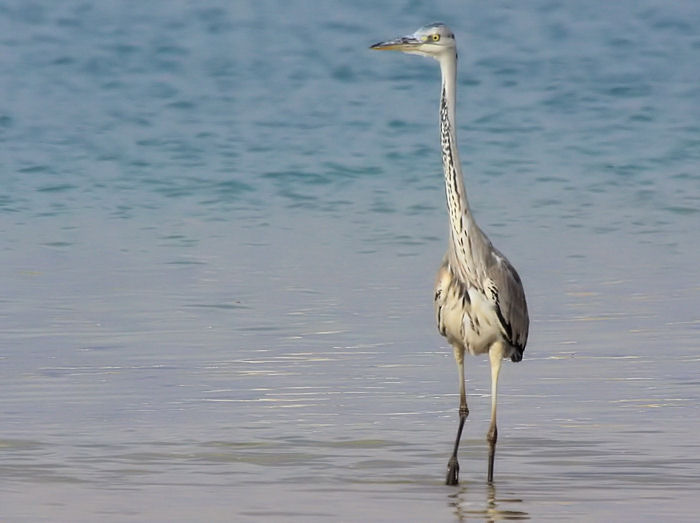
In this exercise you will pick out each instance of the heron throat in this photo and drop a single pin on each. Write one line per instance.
(461, 221)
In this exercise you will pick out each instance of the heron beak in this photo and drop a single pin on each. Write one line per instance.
(404, 43)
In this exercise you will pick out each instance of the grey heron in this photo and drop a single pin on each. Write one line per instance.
(479, 298)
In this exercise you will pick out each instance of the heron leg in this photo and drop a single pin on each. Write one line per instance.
(453, 465)
(496, 358)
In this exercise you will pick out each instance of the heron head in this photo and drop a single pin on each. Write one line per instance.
(433, 40)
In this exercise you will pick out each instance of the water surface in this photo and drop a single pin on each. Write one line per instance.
(219, 226)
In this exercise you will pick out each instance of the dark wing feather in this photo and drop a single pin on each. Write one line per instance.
(511, 306)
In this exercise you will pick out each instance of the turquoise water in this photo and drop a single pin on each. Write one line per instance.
(219, 227)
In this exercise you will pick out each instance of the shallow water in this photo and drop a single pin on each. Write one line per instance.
(219, 230)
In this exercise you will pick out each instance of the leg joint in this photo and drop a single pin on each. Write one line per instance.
(492, 435)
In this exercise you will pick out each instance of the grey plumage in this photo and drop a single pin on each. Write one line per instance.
(479, 298)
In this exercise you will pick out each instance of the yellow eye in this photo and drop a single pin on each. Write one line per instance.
(436, 37)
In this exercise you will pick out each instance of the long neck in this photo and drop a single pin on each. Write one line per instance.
(461, 221)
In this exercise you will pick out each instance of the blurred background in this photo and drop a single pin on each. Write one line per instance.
(219, 228)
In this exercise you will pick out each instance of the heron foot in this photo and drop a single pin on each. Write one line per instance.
(452, 472)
